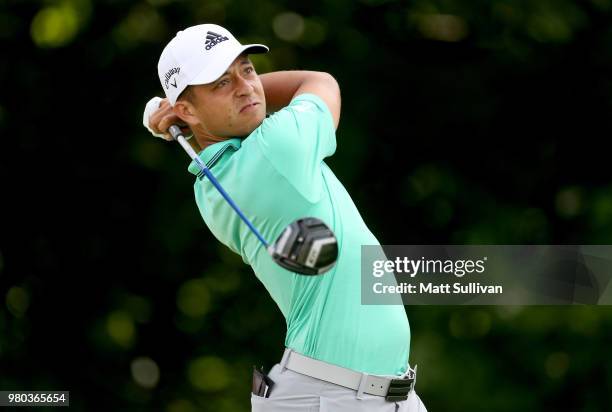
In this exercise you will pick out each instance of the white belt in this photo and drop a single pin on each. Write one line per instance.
(393, 389)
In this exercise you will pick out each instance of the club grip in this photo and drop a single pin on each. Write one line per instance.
(175, 131)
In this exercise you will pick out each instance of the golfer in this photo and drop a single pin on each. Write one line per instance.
(339, 355)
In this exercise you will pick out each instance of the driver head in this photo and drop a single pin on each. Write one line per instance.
(307, 246)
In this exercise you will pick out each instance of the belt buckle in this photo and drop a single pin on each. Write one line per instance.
(399, 389)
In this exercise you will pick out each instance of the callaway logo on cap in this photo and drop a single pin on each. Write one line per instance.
(199, 55)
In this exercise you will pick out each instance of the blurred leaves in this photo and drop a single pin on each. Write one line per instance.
(193, 298)
(208, 373)
(145, 372)
(57, 25)
(142, 24)
(121, 329)
(17, 301)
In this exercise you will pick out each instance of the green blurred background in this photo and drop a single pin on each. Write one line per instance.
(483, 122)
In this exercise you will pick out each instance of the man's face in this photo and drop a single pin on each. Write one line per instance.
(234, 104)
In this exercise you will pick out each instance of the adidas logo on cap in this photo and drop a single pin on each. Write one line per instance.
(212, 39)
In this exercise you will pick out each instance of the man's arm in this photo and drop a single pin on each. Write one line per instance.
(281, 87)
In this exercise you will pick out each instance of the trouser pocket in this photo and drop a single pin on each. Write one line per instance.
(285, 404)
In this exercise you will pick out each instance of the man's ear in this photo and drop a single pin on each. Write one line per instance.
(186, 112)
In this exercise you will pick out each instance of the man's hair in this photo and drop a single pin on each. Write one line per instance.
(186, 94)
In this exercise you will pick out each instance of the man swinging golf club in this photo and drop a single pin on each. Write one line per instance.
(339, 355)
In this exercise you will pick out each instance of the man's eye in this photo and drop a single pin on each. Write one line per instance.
(249, 70)
(222, 83)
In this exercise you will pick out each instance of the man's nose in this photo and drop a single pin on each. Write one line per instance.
(243, 86)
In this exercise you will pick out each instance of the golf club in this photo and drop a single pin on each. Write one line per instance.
(307, 246)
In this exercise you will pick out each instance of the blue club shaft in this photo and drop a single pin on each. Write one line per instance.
(234, 206)
(177, 135)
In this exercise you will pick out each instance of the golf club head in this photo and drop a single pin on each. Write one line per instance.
(307, 246)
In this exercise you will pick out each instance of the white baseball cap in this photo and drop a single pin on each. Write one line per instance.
(199, 55)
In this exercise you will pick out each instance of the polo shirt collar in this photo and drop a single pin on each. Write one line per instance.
(212, 153)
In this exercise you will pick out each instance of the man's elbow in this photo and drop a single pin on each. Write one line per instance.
(331, 95)
(326, 87)
(331, 82)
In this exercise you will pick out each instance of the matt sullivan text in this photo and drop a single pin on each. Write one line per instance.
(443, 288)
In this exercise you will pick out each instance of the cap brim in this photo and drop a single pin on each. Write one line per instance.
(215, 70)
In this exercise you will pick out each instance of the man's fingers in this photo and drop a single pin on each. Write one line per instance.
(156, 119)
(164, 103)
(159, 116)
(168, 120)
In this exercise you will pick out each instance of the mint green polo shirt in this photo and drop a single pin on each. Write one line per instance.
(277, 175)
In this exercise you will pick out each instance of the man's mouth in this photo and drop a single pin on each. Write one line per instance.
(248, 107)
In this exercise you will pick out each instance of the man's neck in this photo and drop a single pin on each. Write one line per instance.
(205, 140)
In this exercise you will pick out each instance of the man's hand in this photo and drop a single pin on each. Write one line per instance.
(159, 116)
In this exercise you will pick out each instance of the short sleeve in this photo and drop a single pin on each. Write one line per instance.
(296, 139)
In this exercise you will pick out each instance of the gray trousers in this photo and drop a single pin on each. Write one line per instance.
(296, 392)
